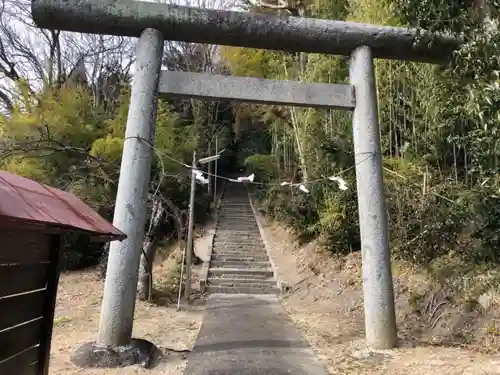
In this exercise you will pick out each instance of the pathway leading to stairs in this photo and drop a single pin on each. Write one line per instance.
(245, 330)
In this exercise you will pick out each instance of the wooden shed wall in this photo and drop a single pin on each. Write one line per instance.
(28, 283)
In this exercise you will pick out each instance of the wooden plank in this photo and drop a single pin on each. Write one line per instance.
(24, 247)
(257, 90)
(24, 363)
(19, 309)
(50, 303)
(18, 339)
(17, 279)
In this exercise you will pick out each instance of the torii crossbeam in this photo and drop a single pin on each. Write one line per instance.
(210, 26)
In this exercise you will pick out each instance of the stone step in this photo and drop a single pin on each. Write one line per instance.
(249, 238)
(254, 265)
(233, 215)
(236, 222)
(242, 258)
(244, 240)
(243, 214)
(237, 210)
(242, 210)
(236, 216)
(249, 229)
(226, 281)
(241, 220)
(239, 272)
(252, 228)
(235, 239)
(245, 208)
(230, 276)
(235, 219)
(235, 203)
(239, 227)
(252, 235)
(217, 257)
(242, 251)
(260, 289)
(253, 238)
(238, 242)
(240, 254)
(233, 233)
(235, 244)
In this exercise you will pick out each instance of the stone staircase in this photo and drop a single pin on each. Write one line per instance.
(239, 263)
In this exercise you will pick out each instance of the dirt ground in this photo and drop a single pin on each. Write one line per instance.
(77, 317)
(325, 302)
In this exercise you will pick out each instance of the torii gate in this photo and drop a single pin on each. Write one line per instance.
(153, 23)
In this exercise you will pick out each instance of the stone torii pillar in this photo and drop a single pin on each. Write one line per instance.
(154, 21)
(117, 312)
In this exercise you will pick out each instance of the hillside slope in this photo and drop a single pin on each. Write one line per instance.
(325, 300)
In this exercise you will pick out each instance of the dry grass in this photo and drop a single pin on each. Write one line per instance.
(78, 308)
(326, 303)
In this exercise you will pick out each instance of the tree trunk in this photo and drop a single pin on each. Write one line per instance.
(103, 264)
(195, 259)
(145, 282)
(298, 136)
(298, 140)
(209, 177)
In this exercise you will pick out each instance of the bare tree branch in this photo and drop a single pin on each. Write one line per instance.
(7, 102)
(44, 58)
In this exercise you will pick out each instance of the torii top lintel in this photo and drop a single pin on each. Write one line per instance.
(209, 26)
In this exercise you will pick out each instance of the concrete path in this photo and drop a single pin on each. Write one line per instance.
(250, 335)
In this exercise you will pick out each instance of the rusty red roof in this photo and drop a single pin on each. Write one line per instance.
(28, 201)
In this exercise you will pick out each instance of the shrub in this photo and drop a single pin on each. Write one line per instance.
(78, 252)
(449, 218)
(483, 207)
(432, 227)
(264, 167)
(338, 225)
(295, 209)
